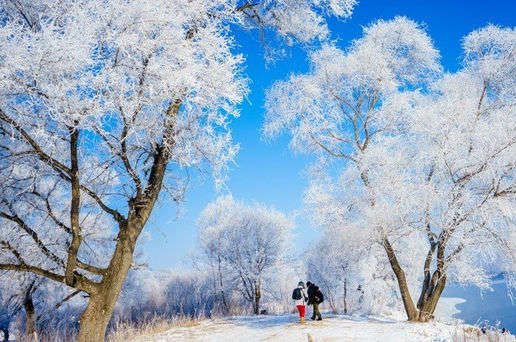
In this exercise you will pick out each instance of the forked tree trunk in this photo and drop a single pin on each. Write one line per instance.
(429, 302)
(103, 294)
(430, 292)
(95, 319)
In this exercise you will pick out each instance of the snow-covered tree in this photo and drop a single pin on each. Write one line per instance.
(450, 178)
(330, 264)
(277, 289)
(191, 294)
(105, 103)
(18, 292)
(334, 110)
(430, 162)
(36, 306)
(247, 243)
(353, 276)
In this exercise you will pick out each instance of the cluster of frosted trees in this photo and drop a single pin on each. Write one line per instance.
(412, 161)
(107, 107)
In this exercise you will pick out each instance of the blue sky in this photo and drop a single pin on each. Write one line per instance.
(269, 172)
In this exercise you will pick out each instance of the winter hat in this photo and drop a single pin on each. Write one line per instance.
(301, 284)
(308, 283)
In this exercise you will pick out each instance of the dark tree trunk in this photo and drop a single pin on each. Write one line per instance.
(432, 286)
(256, 300)
(345, 296)
(426, 289)
(30, 326)
(410, 308)
(221, 283)
(431, 289)
(95, 318)
(431, 298)
(103, 294)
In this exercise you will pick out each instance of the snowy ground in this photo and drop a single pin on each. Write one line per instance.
(285, 328)
(461, 304)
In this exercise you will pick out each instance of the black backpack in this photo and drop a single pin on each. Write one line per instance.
(296, 294)
(319, 296)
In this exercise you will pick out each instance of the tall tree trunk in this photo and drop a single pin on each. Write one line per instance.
(257, 297)
(430, 300)
(410, 308)
(433, 289)
(95, 318)
(103, 294)
(30, 327)
(221, 283)
(345, 295)
(426, 289)
(434, 299)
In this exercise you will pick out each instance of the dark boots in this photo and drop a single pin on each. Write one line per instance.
(316, 313)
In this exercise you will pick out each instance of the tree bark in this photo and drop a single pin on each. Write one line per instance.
(428, 305)
(103, 293)
(425, 289)
(345, 295)
(221, 283)
(434, 299)
(257, 297)
(410, 308)
(431, 290)
(30, 327)
(95, 318)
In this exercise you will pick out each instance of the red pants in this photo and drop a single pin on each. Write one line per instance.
(301, 309)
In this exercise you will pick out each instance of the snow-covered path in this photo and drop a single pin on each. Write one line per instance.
(285, 328)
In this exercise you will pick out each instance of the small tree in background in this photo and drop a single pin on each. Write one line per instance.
(38, 307)
(247, 242)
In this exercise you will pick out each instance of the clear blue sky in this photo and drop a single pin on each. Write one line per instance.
(270, 172)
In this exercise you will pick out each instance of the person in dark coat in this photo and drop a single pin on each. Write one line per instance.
(315, 297)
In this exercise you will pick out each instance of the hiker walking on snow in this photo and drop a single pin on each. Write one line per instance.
(315, 297)
(300, 298)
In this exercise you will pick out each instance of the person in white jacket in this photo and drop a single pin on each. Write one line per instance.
(300, 298)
